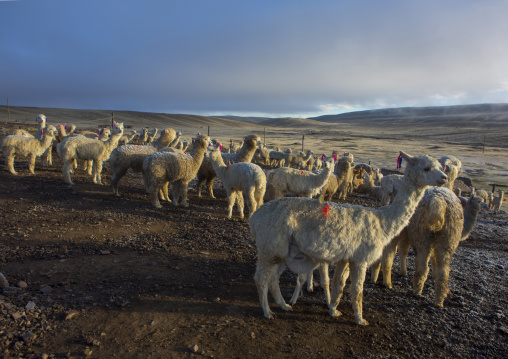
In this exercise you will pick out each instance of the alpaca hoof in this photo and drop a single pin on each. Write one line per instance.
(362, 322)
(335, 313)
(286, 307)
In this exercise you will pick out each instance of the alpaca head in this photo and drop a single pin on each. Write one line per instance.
(50, 131)
(423, 171)
(202, 141)
(215, 154)
(252, 140)
(40, 118)
(117, 127)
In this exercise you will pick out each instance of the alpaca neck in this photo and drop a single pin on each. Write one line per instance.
(219, 166)
(395, 217)
(112, 142)
(306, 158)
(246, 152)
(45, 141)
(197, 153)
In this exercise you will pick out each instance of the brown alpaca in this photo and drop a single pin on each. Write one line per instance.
(434, 231)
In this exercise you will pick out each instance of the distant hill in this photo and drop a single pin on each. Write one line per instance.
(468, 115)
(277, 122)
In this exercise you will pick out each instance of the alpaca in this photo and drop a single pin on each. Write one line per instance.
(63, 133)
(245, 154)
(276, 157)
(23, 146)
(289, 180)
(150, 138)
(344, 234)
(132, 156)
(126, 139)
(344, 175)
(330, 188)
(102, 135)
(80, 147)
(497, 201)
(483, 195)
(293, 160)
(438, 225)
(161, 168)
(21, 132)
(370, 188)
(389, 186)
(176, 140)
(241, 180)
(452, 167)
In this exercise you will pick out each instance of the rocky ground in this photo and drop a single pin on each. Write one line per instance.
(94, 275)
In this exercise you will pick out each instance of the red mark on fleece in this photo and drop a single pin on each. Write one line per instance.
(325, 210)
(302, 173)
(227, 167)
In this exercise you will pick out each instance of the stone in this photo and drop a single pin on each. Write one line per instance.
(28, 336)
(16, 315)
(22, 284)
(3, 281)
(194, 348)
(71, 314)
(47, 289)
(30, 306)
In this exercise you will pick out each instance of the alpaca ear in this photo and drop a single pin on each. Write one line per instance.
(407, 157)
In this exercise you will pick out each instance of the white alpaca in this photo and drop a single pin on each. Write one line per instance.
(345, 175)
(245, 154)
(389, 186)
(276, 158)
(126, 139)
(497, 201)
(162, 168)
(132, 156)
(30, 147)
(452, 167)
(289, 180)
(344, 234)
(240, 180)
(87, 149)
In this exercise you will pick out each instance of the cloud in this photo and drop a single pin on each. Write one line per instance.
(264, 57)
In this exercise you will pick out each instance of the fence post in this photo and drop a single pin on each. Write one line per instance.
(264, 135)
(493, 187)
(112, 118)
(303, 139)
(208, 130)
(8, 110)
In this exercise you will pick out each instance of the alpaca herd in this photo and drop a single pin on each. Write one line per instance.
(303, 232)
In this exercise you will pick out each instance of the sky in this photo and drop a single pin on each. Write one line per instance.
(284, 58)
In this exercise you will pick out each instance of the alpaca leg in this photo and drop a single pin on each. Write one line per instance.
(300, 281)
(240, 203)
(310, 281)
(154, 193)
(403, 251)
(231, 202)
(201, 181)
(263, 277)
(339, 279)
(67, 172)
(183, 191)
(98, 171)
(421, 269)
(324, 278)
(209, 185)
(275, 288)
(31, 164)
(388, 257)
(252, 201)
(117, 174)
(165, 195)
(176, 193)
(441, 273)
(357, 279)
(9, 162)
(374, 271)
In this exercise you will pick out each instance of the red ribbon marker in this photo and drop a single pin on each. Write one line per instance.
(399, 161)
(302, 173)
(227, 167)
(325, 210)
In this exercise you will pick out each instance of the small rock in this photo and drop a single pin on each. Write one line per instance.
(16, 315)
(22, 284)
(194, 348)
(47, 289)
(252, 335)
(28, 336)
(87, 352)
(3, 281)
(44, 356)
(11, 290)
(105, 253)
(30, 306)
(71, 314)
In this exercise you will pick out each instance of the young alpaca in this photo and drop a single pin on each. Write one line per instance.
(126, 139)
(241, 180)
(177, 168)
(245, 154)
(497, 201)
(438, 225)
(23, 146)
(132, 156)
(289, 180)
(452, 168)
(344, 175)
(344, 234)
(370, 188)
(84, 148)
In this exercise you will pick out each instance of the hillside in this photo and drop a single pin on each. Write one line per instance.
(481, 115)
